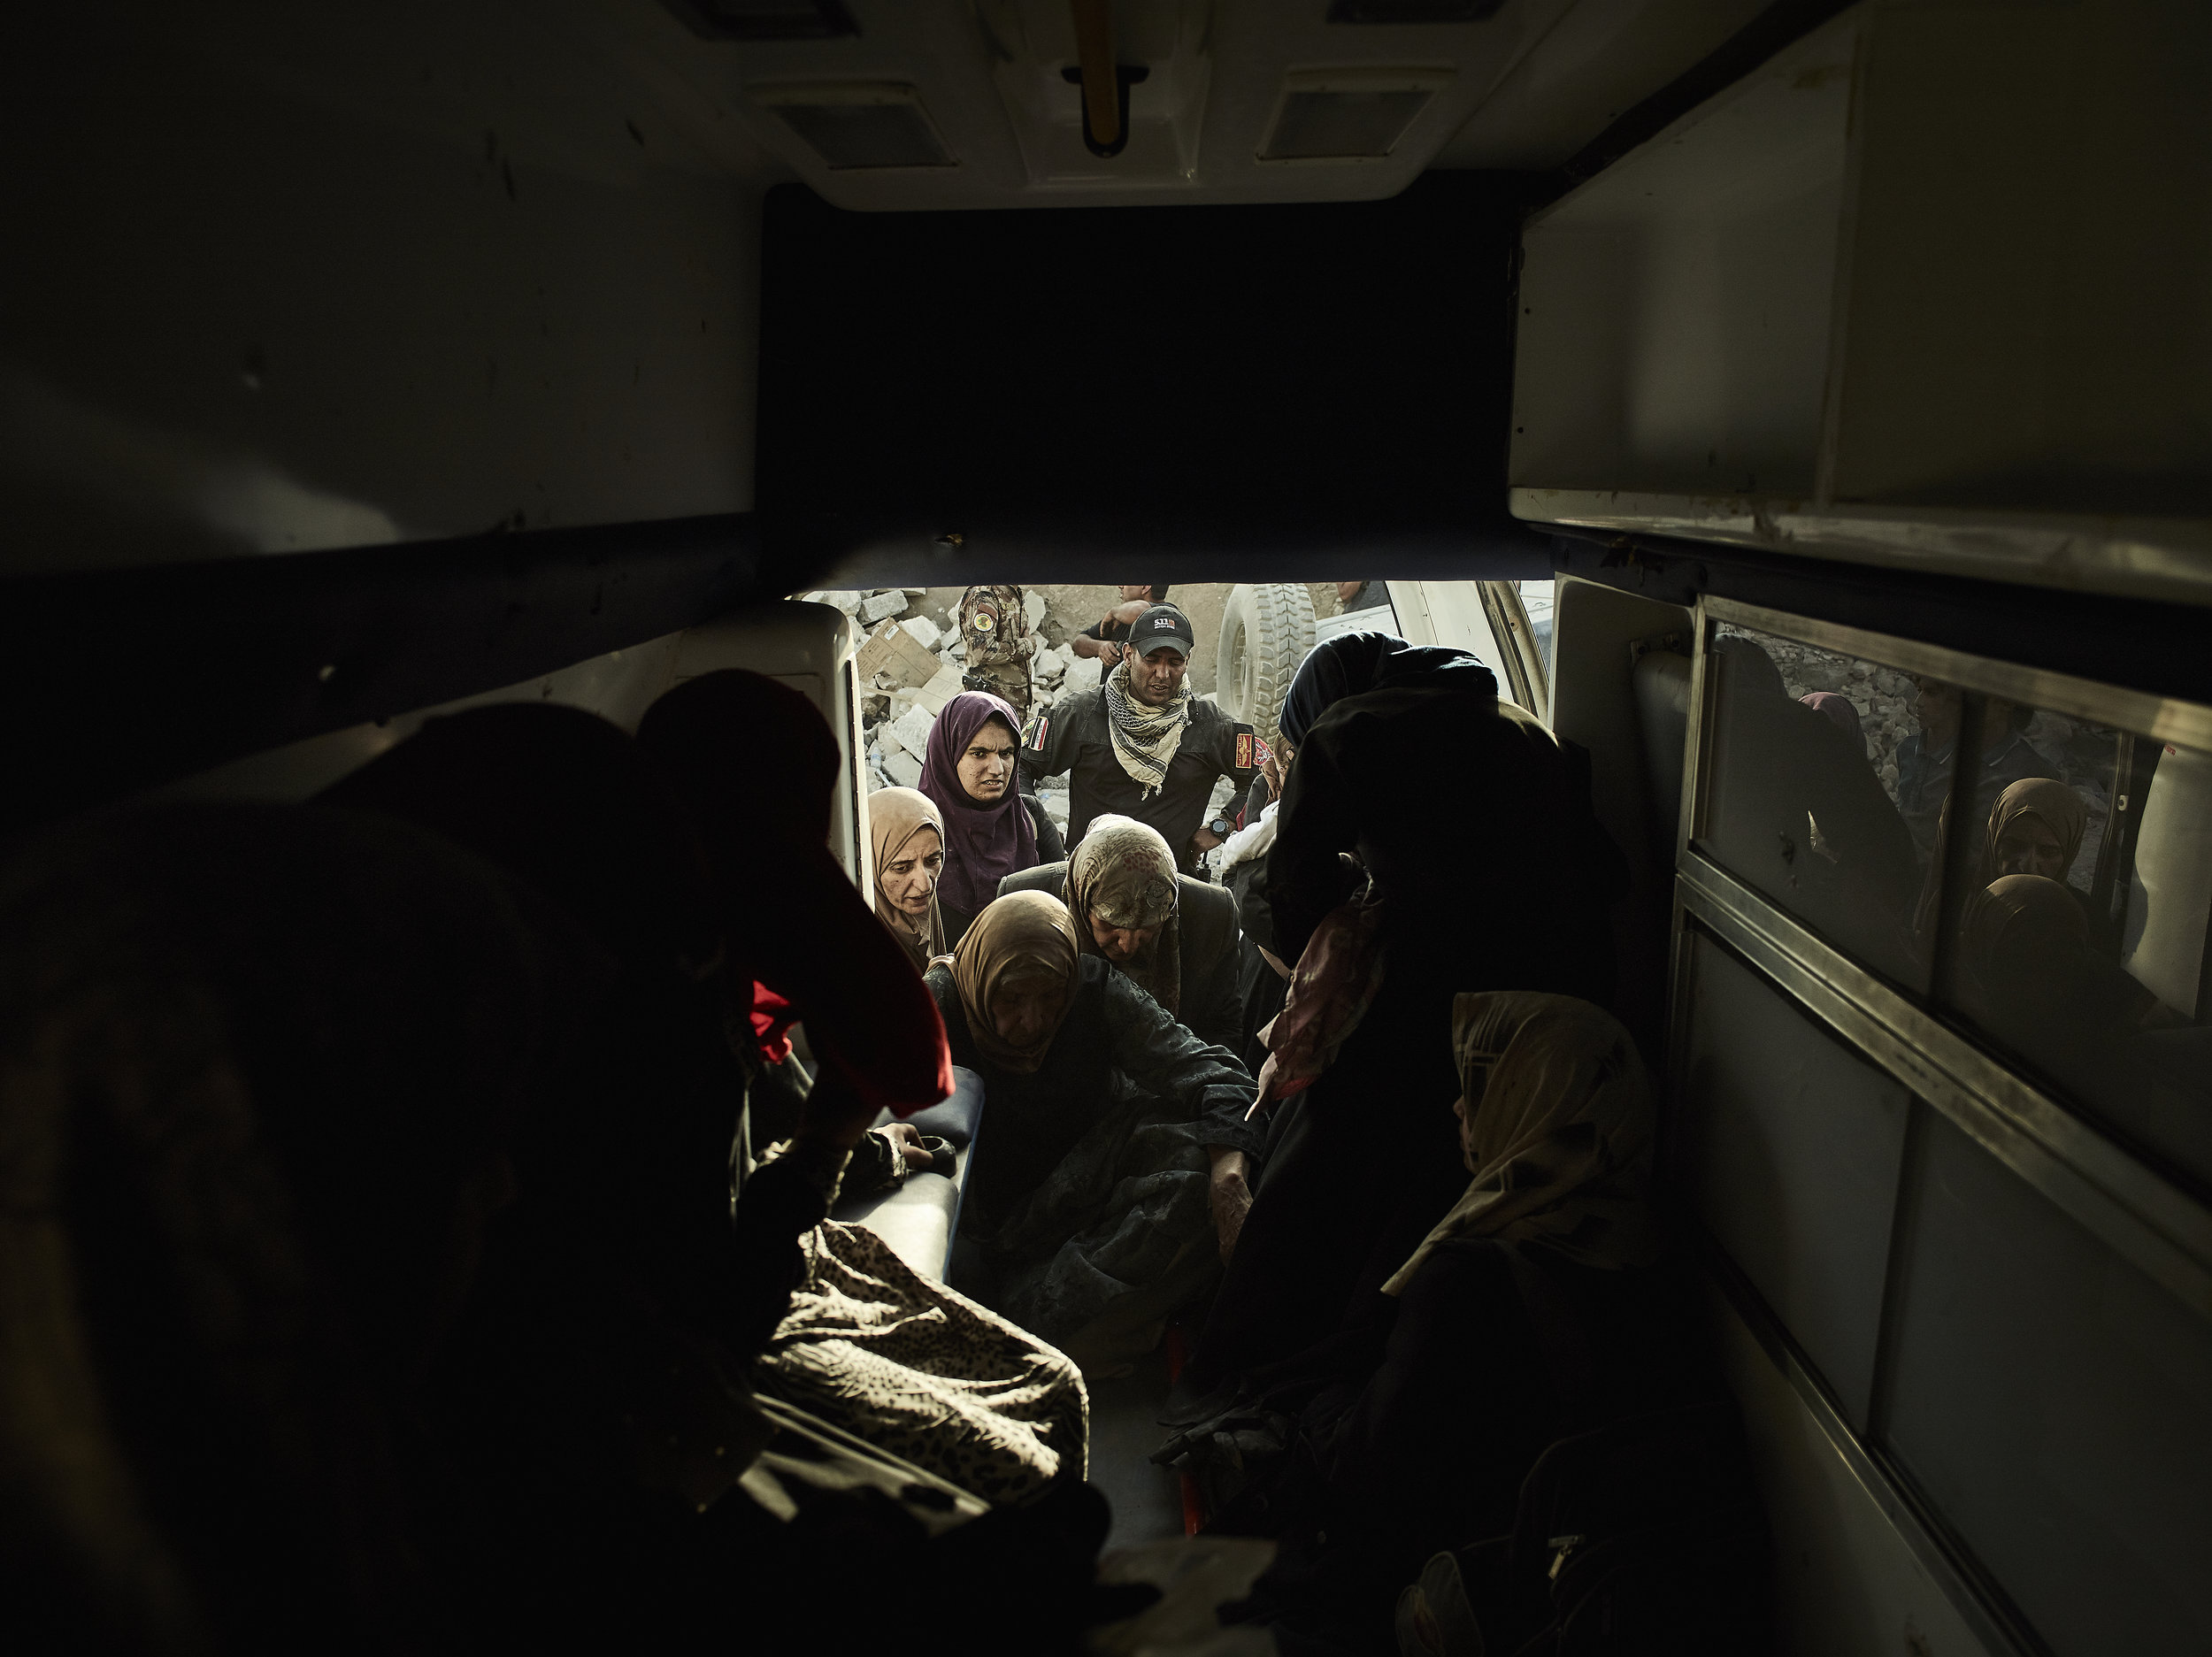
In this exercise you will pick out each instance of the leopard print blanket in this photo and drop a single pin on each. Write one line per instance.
(914, 1369)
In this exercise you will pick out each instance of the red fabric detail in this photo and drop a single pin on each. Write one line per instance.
(772, 1018)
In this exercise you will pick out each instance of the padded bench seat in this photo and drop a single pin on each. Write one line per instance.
(920, 1217)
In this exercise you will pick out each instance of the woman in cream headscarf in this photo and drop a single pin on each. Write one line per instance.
(1090, 1193)
(1530, 1312)
(1555, 1125)
(908, 835)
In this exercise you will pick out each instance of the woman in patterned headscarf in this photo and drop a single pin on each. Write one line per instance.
(1121, 882)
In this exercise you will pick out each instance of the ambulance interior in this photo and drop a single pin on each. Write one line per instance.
(366, 364)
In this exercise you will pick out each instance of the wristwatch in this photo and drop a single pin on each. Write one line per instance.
(1222, 826)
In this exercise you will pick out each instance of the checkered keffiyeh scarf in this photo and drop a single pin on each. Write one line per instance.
(1145, 737)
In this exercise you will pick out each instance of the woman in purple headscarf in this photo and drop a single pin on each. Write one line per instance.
(991, 830)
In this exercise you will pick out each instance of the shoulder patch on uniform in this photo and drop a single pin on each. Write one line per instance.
(1039, 724)
(1245, 742)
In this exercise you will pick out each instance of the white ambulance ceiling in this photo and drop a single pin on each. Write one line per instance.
(951, 104)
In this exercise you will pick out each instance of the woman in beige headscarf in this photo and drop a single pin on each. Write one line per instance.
(2035, 828)
(1530, 1312)
(1556, 1125)
(1091, 1190)
(908, 836)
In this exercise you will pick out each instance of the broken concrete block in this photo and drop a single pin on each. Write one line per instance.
(924, 632)
(1048, 665)
(1033, 607)
(902, 769)
(892, 649)
(911, 731)
(885, 738)
(940, 690)
(882, 606)
(844, 600)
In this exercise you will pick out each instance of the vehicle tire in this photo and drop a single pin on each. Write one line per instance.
(1266, 630)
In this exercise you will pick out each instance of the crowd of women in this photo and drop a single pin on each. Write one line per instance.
(391, 1259)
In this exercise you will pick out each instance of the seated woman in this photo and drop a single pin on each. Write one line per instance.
(2032, 979)
(991, 830)
(908, 838)
(1174, 936)
(1110, 1128)
(1536, 1308)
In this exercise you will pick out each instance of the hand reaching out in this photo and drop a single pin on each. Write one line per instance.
(1229, 1197)
(909, 1141)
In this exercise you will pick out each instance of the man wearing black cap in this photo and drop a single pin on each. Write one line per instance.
(1141, 745)
(1107, 639)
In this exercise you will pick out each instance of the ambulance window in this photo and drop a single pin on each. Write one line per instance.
(1827, 780)
(2074, 942)
(1943, 1096)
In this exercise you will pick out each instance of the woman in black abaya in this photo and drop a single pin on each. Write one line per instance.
(1473, 823)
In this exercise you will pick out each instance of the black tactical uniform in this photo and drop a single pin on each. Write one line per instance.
(1074, 735)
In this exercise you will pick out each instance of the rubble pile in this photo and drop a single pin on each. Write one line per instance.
(906, 676)
(910, 666)
(1883, 695)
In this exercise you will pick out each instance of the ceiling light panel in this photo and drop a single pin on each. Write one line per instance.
(859, 128)
(1348, 115)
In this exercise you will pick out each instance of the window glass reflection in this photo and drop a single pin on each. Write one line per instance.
(2045, 879)
(1818, 762)
(2078, 943)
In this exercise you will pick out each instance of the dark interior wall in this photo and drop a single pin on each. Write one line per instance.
(1254, 389)
(296, 302)
(284, 278)
(1223, 392)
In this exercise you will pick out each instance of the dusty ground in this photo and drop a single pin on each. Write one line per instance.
(1069, 610)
